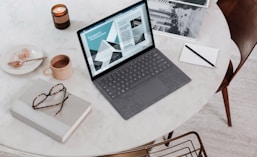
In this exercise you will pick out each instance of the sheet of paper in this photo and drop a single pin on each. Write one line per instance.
(208, 53)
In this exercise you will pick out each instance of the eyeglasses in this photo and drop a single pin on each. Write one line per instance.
(53, 91)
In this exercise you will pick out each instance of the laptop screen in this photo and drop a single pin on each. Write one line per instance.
(116, 38)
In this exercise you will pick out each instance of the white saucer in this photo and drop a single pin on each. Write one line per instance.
(35, 52)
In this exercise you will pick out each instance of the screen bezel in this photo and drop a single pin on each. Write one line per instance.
(104, 19)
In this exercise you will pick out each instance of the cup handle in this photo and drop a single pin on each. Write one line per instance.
(46, 73)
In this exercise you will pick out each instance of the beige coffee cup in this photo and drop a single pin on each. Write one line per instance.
(60, 67)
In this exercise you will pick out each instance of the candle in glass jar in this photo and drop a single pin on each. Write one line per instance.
(60, 16)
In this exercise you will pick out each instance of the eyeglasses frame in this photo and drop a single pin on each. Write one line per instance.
(35, 107)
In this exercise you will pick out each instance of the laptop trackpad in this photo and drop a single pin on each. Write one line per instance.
(151, 91)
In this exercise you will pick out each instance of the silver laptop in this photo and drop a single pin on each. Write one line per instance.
(125, 65)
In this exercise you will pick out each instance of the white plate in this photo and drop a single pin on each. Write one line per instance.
(35, 52)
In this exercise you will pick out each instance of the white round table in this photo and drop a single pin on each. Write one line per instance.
(103, 131)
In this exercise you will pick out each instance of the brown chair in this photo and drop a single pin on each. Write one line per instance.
(188, 144)
(241, 16)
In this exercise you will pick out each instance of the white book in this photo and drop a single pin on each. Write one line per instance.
(208, 53)
(59, 126)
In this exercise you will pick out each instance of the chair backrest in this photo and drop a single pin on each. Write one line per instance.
(188, 144)
(241, 16)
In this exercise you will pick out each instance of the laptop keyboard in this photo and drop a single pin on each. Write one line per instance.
(134, 73)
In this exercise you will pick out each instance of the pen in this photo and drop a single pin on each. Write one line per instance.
(199, 55)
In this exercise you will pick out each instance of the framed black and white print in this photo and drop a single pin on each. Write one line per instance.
(176, 18)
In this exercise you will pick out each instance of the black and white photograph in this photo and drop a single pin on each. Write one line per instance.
(138, 30)
(135, 22)
(176, 18)
(199, 3)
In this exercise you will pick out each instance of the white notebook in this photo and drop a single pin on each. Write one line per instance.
(58, 127)
(208, 53)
